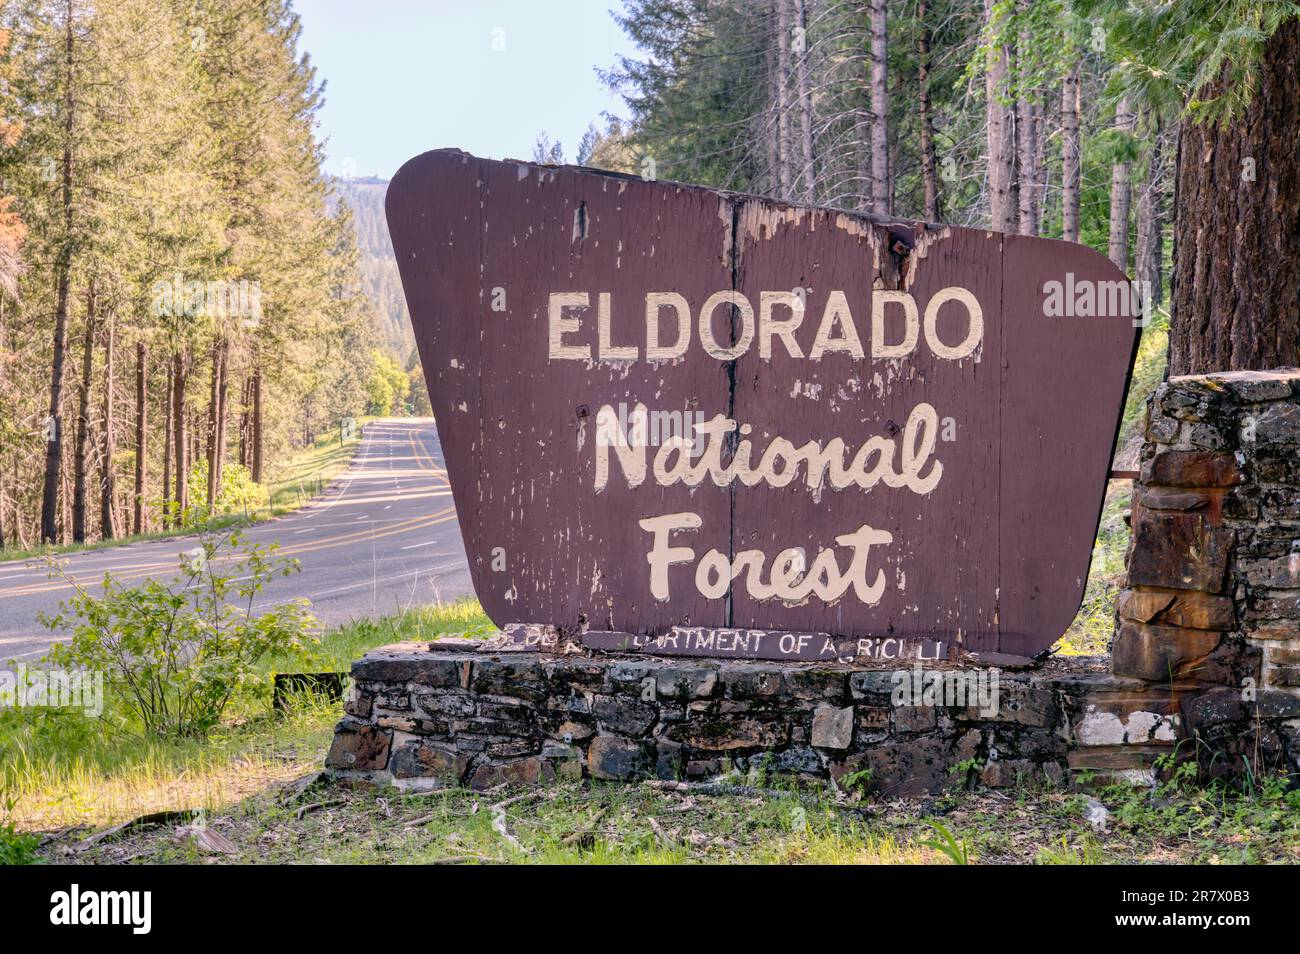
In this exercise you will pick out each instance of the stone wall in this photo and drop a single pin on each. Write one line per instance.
(421, 715)
(1212, 607)
(1205, 664)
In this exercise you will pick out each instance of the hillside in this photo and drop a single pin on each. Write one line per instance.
(379, 276)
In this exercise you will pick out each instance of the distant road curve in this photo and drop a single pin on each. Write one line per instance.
(382, 537)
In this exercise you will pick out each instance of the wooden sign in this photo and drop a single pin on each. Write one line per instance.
(666, 406)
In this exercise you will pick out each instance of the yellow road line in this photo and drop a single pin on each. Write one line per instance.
(146, 570)
(142, 570)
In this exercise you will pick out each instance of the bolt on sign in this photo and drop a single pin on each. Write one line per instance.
(687, 421)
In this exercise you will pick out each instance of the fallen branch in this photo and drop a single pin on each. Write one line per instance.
(316, 805)
(574, 837)
(660, 834)
(144, 821)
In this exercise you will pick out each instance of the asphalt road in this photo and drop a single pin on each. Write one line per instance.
(381, 538)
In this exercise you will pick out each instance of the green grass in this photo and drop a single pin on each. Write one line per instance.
(304, 476)
(616, 823)
(67, 777)
(310, 470)
(59, 768)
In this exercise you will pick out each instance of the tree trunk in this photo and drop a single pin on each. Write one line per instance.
(1003, 195)
(881, 195)
(168, 441)
(805, 104)
(1027, 217)
(107, 480)
(1070, 161)
(223, 402)
(62, 274)
(1026, 150)
(180, 466)
(65, 496)
(217, 423)
(1121, 193)
(1038, 112)
(257, 422)
(245, 395)
(1150, 224)
(83, 423)
(929, 179)
(772, 123)
(211, 455)
(141, 433)
(1235, 292)
(783, 96)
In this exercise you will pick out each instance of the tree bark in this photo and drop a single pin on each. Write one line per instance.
(107, 479)
(1235, 291)
(881, 197)
(245, 395)
(772, 124)
(1070, 161)
(217, 422)
(929, 178)
(1038, 112)
(257, 422)
(213, 410)
(1026, 150)
(62, 274)
(1027, 199)
(1150, 224)
(83, 423)
(805, 104)
(141, 434)
(180, 466)
(1003, 194)
(783, 95)
(168, 441)
(1121, 193)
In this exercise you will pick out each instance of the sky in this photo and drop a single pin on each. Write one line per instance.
(405, 76)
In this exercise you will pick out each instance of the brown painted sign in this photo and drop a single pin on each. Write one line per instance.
(669, 410)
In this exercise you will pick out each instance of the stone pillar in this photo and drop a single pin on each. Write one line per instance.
(1212, 606)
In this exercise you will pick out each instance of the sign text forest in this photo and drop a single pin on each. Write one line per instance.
(692, 422)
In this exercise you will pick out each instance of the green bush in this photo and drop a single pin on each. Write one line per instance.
(175, 653)
(238, 491)
(16, 847)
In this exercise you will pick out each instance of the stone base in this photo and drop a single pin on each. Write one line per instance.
(420, 717)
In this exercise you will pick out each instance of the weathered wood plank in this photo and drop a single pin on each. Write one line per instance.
(529, 288)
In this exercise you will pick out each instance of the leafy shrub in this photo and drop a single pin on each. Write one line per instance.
(238, 491)
(17, 847)
(176, 652)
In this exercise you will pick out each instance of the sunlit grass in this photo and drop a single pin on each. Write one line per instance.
(71, 771)
(310, 471)
(61, 768)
